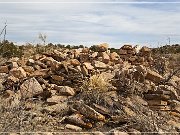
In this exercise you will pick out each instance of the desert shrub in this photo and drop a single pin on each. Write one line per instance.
(114, 50)
(94, 48)
(8, 49)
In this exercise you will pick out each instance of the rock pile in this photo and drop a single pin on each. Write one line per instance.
(142, 56)
(56, 79)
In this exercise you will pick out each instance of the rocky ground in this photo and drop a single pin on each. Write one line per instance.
(92, 92)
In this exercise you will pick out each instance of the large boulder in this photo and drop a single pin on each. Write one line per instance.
(30, 88)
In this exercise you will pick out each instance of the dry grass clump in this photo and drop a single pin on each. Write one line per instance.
(98, 82)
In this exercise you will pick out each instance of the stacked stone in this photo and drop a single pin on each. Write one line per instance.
(164, 98)
(141, 57)
(127, 53)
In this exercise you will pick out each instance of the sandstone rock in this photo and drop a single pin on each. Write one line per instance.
(84, 71)
(13, 133)
(3, 77)
(1, 87)
(88, 66)
(139, 100)
(100, 65)
(49, 61)
(30, 88)
(13, 65)
(76, 119)
(131, 52)
(137, 48)
(28, 69)
(64, 90)
(114, 56)
(105, 57)
(175, 103)
(60, 109)
(153, 76)
(122, 52)
(170, 89)
(37, 57)
(98, 133)
(94, 55)
(175, 114)
(59, 56)
(102, 47)
(85, 50)
(13, 59)
(12, 79)
(30, 62)
(4, 69)
(125, 66)
(160, 108)
(84, 57)
(127, 47)
(134, 131)
(156, 102)
(18, 72)
(140, 73)
(37, 67)
(75, 62)
(140, 59)
(174, 124)
(73, 127)
(157, 96)
(117, 132)
(39, 63)
(128, 111)
(57, 78)
(132, 58)
(101, 109)
(88, 111)
(176, 109)
(145, 49)
(110, 97)
(8, 94)
(56, 99)
(40, 73)
(78, 68)
(141, 69)
(159, 91)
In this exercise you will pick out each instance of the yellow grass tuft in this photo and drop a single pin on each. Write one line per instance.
(98, 82)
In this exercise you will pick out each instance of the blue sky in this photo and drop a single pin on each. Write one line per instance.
(68, 22)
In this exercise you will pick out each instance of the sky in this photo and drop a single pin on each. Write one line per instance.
(90, 22)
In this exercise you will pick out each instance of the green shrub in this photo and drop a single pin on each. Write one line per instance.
(8, 49)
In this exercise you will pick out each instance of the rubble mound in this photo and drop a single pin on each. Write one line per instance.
(93, 91)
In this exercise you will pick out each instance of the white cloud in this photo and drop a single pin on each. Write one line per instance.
(91, 23)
